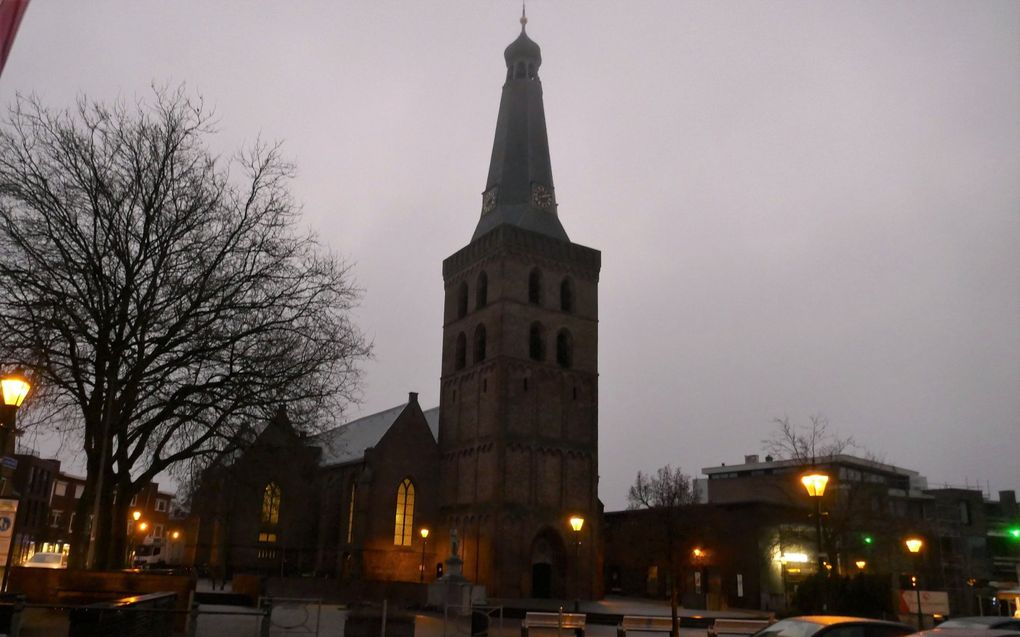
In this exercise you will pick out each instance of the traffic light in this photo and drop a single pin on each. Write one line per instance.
(1013, 532)
(868, 540)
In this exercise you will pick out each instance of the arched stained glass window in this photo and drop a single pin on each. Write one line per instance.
(271, 504)
(404, 523)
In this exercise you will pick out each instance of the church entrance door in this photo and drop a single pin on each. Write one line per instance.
(547, 565)
(541, 581)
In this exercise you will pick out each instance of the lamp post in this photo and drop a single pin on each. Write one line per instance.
(424, 541)
(914, 545)
(861, 564)
(814, 483)
(576, 522)
(14, 387)
(701, 585)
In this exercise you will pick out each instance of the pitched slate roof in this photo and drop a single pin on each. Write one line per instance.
(348, 442)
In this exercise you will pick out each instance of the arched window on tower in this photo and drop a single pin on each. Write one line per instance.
(536, 342)
(404, 521)
(479, 343)
(460, 353)
(462, 300)
(564, 349)
(482, 291)
(567, 295)
(535, 287)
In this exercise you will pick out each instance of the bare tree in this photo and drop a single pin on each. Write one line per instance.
(807, 444)
(161, 296)
(667, 494)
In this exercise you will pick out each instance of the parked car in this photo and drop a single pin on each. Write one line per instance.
(986, 622)
(834, 626)
(47, 560)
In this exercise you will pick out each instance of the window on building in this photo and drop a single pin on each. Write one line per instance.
(59, 488)
(460, 353)
(271, 504)
(157, 530)
(482, 291)
(479, 343)
(134, 500)
(536, 342)
(350, 513)
(567, 295)
(70, 522)
(404, 523)
(462, 300)
(535, 287)
(160, 504)
(78, 490)
(55, 516)
(267, 537)
(965, 512)
(564, 349)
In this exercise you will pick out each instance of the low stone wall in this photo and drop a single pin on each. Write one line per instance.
(141, 616)
(68, 586)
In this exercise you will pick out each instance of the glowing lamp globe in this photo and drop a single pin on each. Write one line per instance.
(424, 533)
(15, 387)
(576, 523)
(914, 544)
(815, 483)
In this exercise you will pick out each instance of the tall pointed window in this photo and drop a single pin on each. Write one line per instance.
(404, 522)
(271, 504)
(482, 291)
(535, 287)
(564, 349)
(567, 295)
(350, 513)
(460, 353)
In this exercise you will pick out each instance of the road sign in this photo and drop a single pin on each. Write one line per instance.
(8, 513)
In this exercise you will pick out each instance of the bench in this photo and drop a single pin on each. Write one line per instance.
(644, 623)
(555, 621)
(737, 626)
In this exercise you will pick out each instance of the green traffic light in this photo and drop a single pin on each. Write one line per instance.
(1014, 532)
(870, 540)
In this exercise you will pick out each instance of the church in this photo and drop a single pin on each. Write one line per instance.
(509, 455)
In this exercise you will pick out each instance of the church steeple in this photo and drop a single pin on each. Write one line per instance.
(519, 190)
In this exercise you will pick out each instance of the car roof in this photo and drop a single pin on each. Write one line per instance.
(829, 620)
(938, 631)
(986, 620)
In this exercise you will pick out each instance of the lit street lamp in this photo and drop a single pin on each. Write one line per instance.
(576, 522)
(14, 387)
(815, 483)
(424, 541)
(914, 545)
(860, 564)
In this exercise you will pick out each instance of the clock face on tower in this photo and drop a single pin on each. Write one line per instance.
(542, 196)
(489, 198)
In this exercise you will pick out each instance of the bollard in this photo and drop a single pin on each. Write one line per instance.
(382, 624)
(267, 618)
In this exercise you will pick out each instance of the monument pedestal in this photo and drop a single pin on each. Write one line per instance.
(453, 590)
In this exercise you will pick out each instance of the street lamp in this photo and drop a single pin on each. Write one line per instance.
(814, 483)
(576, 522)
(13, 387)
(914, 545)
(424, 541)
(136, 515)
(861, 564)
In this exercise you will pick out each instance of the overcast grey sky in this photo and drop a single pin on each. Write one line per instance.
(802, 207)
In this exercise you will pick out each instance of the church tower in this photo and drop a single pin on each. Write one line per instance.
(518, 424)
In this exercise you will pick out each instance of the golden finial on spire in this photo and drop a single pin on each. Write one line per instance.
(524, 15)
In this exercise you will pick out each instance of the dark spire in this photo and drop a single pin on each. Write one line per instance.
(519, 190)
